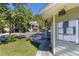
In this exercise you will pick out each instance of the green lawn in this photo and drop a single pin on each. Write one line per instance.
(18, 48)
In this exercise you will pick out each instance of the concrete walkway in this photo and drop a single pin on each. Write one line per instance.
(65, 48)
(43, 49)
(43, 53)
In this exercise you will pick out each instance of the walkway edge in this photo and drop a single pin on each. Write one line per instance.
(43, 53)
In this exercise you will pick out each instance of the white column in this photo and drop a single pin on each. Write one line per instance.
(77, 31)
(53, 34)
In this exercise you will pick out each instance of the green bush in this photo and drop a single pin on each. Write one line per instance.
(0, 43)
(11, 38)
(27, 39)
(36, 44)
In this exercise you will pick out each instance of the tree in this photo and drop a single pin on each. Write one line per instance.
(40, 21)
(23, 16)
(2, 25)
(10, 14)
(18, 17)
(3, 9)
(19, 4)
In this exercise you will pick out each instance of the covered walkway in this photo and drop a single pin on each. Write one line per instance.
(66, 48)
(60, 12)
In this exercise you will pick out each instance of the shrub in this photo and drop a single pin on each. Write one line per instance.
(0, 43)
(11, 38)
(27, 39)
(36, 44)
(20, 36)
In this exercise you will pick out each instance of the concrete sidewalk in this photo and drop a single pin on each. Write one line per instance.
(43, 53)
(43, 49)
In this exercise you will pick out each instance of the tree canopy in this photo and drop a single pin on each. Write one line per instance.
(43, 23)
(15, 18)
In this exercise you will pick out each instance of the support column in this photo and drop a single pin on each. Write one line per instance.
(77, 31)
(53, 34)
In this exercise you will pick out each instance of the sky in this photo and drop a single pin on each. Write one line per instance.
(36, 7)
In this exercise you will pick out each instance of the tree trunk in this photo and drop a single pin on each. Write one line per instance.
(19, 27)
(10, 28)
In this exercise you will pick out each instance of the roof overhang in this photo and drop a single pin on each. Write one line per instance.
(53, 9)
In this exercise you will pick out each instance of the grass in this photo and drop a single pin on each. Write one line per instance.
(21, 47)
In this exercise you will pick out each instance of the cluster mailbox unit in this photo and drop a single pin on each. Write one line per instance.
(67, 30)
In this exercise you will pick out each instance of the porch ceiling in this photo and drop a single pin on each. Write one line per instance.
(55, 8)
